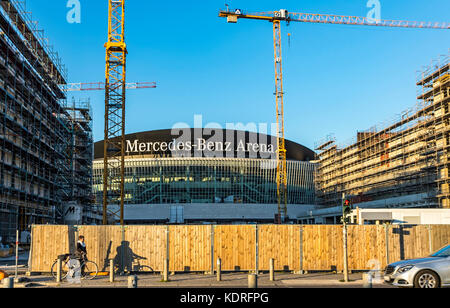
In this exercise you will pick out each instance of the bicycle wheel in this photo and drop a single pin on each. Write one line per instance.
(146, 269)
(89, 270)
(64, 269)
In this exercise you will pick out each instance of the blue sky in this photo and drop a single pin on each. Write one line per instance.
(338, 79)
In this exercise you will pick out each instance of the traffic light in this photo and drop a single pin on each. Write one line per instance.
(346, 210)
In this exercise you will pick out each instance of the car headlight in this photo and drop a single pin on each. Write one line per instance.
(404, 269)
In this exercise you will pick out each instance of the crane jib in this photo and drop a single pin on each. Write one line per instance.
(284, 15)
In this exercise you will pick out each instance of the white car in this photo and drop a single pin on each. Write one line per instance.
(430, 272)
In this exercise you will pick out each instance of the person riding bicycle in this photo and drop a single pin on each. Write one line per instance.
(81, 252)
(75, 265)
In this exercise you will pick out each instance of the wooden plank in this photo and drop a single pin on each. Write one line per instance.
(367, 247)
(47, 244)
(321, 253)
(408, 242)
(280, 243)
(381, 247)
(440, 236)
(145, 246)
(235, 245)
(394, 244)
(190, 248)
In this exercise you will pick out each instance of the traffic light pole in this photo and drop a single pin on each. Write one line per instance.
(344, 221)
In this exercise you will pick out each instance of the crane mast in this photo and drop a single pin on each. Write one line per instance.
(115, 88)
(275, 17)
(281, 148)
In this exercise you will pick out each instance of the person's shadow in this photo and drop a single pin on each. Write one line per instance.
(125, 257)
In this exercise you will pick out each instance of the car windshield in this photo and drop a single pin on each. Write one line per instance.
(443, 253)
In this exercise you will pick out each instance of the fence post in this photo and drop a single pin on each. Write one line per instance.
(30, 258)
(430, 238)
(253, 281)
(219, 269)
(111, 270)
(166, 270)
(301, 272)
(74, 243)
(257, 251)
(166, 261)
(8, 283)
(367, 280)
(387, 243)
(345, 253)
(272, 269)
(58, 270)
(132, 282)
(212, 249)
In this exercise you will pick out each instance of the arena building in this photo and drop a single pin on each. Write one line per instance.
(208, 175)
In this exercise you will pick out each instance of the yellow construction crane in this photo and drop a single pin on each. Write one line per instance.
(115, 88)
(275, 18)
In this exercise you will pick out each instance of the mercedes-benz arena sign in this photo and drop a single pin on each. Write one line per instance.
(211, 142)
(213, 175)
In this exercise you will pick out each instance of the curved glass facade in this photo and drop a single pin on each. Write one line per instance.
(209, 180)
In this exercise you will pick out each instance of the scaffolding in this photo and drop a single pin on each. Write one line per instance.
(37, 131)
(79, 117)
(407, 156)
(433, 84)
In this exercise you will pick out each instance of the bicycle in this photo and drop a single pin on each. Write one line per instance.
(89, 268)
(138, 268)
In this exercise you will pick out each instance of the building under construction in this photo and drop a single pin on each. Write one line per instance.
(79, 207)
(45, 158)
(401, 164)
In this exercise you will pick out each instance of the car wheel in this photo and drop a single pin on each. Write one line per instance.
(426, 279)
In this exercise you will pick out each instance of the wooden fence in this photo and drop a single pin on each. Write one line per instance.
(240, 247)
